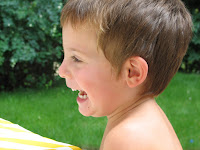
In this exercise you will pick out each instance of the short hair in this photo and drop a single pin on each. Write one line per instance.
(159, 31)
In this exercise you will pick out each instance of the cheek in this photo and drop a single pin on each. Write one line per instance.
(96, 82)
(104, 92)
(87, 78)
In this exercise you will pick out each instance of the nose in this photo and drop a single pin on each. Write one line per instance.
(64, 72)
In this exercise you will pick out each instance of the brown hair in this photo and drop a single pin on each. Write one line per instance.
(159, 31)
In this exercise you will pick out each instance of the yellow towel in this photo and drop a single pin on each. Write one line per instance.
(14, 137)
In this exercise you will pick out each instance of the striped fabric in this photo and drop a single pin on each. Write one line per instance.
(14, 137)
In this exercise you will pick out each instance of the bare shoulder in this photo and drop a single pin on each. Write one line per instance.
(146, 131)
(129, 138)
(138, 138)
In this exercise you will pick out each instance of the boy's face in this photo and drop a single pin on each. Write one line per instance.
(85, 68)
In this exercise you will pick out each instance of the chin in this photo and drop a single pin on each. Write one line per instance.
(85, 113)
(90, 113)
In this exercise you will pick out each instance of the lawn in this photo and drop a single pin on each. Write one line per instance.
(54, 113)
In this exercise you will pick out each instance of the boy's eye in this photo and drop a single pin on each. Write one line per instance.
(75, 59)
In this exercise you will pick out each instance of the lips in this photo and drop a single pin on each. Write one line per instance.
(82, 95)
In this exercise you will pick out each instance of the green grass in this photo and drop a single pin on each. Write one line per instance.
(181, 103)
(54, 113)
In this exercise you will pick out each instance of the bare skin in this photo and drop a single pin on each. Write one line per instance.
(134, 123)
(143, 126)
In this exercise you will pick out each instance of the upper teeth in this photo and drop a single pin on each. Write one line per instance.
(82, 96)
(74, 90)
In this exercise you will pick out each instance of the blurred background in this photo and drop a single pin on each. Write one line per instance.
(32, 94)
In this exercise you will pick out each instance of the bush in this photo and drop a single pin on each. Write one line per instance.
(191, 62)
(30, 42)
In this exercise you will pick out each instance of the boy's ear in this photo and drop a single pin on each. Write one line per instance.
(135, 70)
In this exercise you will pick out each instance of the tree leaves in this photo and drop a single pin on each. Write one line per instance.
(30, 42)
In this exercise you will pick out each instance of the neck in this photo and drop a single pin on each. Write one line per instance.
(124, 112)
(121, 113)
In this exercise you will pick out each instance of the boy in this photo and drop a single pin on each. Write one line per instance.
(121, 54)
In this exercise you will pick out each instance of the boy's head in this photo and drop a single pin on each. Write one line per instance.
(159, 31)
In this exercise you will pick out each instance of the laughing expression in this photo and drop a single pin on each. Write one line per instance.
(87, 70)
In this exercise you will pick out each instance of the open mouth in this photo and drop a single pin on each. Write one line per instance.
(82, 95)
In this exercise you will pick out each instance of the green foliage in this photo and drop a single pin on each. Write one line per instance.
(192, 4)
(191, 62)
(30, 42)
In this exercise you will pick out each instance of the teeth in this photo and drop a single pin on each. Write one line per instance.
(80, 94)
(83, 96)
(74, 90)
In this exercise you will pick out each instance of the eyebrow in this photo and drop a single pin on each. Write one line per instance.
(76, 50)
